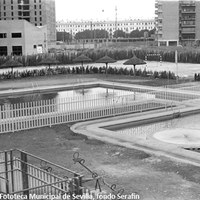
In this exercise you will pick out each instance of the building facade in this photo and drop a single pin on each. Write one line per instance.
(177, 22)
(37, 12)
(110, 26)
(15, 38)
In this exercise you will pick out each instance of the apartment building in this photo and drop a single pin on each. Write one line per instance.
(110, 26)
(177, 22)
(37, 12)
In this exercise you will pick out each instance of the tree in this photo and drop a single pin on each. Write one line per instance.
(135, 34)
(91, 34)
(119, 33)
(63, 36)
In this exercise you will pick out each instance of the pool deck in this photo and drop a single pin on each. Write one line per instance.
(95, 129)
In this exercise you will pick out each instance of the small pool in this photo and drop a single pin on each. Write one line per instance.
(183, 131)
(77, 99)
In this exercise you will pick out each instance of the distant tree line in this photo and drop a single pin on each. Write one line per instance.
(97, 33)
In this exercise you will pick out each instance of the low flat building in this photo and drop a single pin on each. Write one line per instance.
(19, 37)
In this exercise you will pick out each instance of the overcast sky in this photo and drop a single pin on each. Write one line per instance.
(104, 9)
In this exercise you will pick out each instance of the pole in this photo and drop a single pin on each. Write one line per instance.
(176, 61)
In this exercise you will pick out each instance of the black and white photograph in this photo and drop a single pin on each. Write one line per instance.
(100, 100)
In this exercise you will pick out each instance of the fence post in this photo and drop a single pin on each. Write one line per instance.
(24, 170)
(78, 184)
(6, 171)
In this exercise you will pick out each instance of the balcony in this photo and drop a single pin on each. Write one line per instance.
(187, 25)
(186, 11)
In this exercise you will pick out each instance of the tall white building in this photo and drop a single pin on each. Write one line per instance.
(127, 26)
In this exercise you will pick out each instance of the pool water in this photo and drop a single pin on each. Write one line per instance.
(180, 131)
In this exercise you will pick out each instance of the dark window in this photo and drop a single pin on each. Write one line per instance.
(35, 13)
(34, 1)
(12, 13)
(4, 1)
(11, 7)
(26, 14)
(35, 18)
(17, 50)
(40, 24)
(40, 18)
(40, 12)
(11, 1)
(26, 7)
(16, 35)
(34, 46)
(40, 6)
(3, 35)
(4, 8)
(3, 51)
(35, 24)
(4, 14)
(35, 7)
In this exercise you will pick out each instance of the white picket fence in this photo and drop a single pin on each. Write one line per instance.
(24, 117)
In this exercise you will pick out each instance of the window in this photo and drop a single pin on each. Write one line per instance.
(35, 13)
(11, 1)
(34, 1)
(35, 7)
(34, 46)
(4, 14)
(40, 24)
(11, 7)
(40, 18)
(4, 7)
(4, 1)
(16, 35)
(3, 51)
(17, 50)
(3, 35)
(35, 18)
(12, 13)
(40, 12)
(40, 7)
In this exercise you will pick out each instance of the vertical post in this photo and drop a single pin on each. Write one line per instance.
(24, 170)
(176, 61)
(78, 184)
(6, 171)
(12, 174)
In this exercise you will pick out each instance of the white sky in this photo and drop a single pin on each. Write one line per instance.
(104, 9)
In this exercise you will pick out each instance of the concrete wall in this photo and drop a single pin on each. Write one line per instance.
(35, 36)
